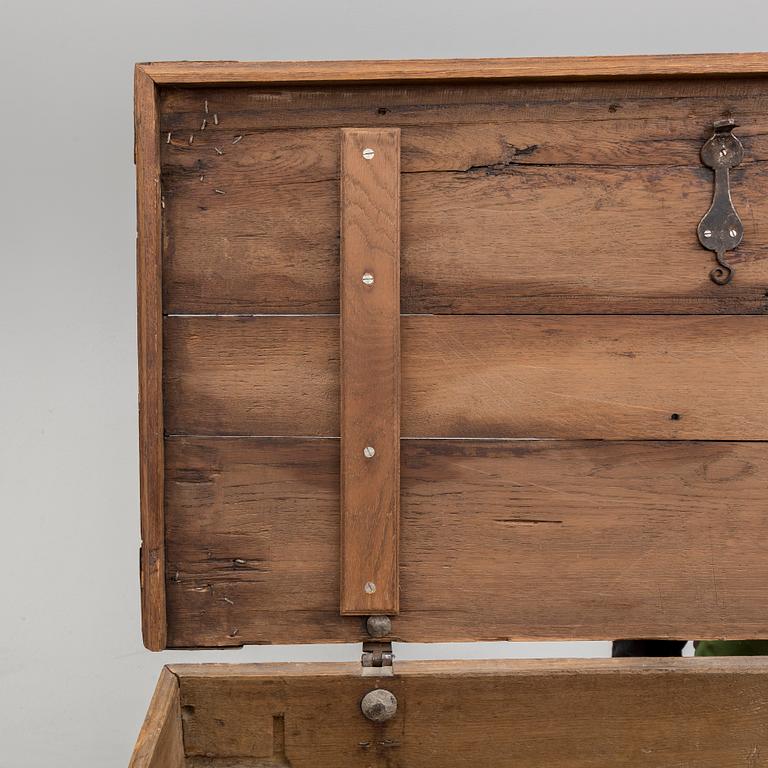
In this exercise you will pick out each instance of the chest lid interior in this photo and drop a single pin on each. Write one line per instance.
(444, 342)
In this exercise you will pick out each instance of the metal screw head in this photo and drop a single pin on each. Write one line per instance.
(379, 705)
(368, 278)
(369, 451)
(368, 153)
(378, 626)
(733, 233)
(369, 587)
(707, 233)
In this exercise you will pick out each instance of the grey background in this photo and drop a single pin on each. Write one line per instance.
(74, 678)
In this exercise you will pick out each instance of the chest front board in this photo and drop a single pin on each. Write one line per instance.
(510, 302)
(609, 713)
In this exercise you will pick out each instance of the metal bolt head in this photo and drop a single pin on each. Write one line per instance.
(369, 451)
(378, 626)
(379, 705)
(369, 587)
(368, 278)
(368, 153)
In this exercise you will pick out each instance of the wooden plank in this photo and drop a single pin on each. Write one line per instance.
(413, 105)
(573, 240)
(566, 67)
(466, 251)
(586, 377)
(370, 370)
(565, 377)
(160, 743)
(230, 367)
(575, 713)
(537, 198)
(150, 346)
(520, 540)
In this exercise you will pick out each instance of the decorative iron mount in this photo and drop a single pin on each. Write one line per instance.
(721, 229)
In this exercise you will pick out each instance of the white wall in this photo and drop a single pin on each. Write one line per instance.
(74, 678)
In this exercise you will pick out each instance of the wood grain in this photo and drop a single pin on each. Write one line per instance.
(528, 198)
(565, 67)
(235, 370)
(150, 347)
(574, 713)
(520, 540)
(160, 743)
(565, 377)
(370, 370)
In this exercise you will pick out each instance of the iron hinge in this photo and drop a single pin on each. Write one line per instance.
(377, 659)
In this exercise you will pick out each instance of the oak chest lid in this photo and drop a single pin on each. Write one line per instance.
(476, 346)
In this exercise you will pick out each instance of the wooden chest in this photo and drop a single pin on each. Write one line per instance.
(454, 351)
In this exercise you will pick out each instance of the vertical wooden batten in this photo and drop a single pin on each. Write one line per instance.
(370, 370)
(150, 345)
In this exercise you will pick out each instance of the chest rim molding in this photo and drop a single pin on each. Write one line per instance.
(560, 68)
